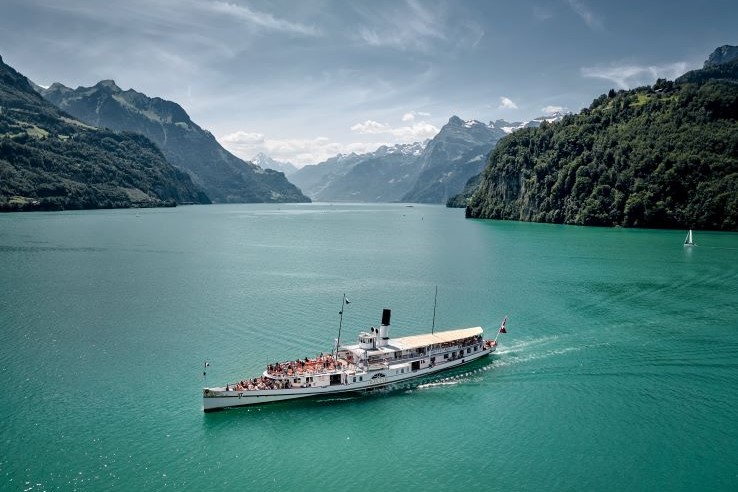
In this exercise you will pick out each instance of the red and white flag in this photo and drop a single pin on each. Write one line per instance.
(502, 326)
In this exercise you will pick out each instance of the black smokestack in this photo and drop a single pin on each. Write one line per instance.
(386, 314)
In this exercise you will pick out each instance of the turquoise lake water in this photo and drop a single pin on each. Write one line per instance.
(619, 370)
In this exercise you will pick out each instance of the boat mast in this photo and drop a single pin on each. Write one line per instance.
(340, 322)
(435, 300)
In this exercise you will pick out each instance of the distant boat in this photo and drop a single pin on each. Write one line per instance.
(689, 240)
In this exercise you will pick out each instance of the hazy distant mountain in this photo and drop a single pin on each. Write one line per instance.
(457, 153)
(223, 176)
(384, 175)
(265, 162)
(50, 161)
(427, 173)
(461, 199)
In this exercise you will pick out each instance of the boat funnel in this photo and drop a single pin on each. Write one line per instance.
(384, 328)
(386, 315)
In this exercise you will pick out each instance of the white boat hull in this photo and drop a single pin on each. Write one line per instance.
(214, 399)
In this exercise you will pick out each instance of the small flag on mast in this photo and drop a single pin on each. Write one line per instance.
(502, 326)
(345, 301)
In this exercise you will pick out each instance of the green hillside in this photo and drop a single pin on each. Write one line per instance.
(50, 161)
(664, 156)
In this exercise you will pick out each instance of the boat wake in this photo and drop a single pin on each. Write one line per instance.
(439, 383)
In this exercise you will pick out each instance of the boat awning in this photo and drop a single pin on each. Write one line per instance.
(417, 341)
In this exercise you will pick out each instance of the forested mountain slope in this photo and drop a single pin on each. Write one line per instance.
(664, 156)
(50, 161)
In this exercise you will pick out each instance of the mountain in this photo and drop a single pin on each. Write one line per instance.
(223, 176)
(50, 161)
(461, 200)
(384, 175)
(658, 156)
(265, 162)
(454, 155)
(428, 172)
(722, 55)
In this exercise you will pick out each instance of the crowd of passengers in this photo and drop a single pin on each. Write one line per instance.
(260, 383)
(321, 363)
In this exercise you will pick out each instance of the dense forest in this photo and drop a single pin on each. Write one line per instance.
(661, 156)
(50, 161)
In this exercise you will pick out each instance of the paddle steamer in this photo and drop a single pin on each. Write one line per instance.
(376, 361)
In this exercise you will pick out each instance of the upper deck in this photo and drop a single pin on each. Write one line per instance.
(414, 342)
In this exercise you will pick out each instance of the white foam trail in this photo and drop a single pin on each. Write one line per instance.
(438, 384)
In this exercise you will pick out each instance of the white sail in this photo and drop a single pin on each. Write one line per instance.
(688, 240)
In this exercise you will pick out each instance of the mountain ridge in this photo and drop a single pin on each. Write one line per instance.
(428, 172)
(379, 176)
(51, 161)
(225, 177)
(453, 156)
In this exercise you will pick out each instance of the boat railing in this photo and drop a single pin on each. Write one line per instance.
(430, 353)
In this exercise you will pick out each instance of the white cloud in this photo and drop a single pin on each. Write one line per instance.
(241, 137)
(407, 117)
(371, 126)
(303, 151)
(299, 151)
(507, 103)
(408, 27)
(416, 132)
(554, 109)
(262, 19)
(592, 20)
(627, 76)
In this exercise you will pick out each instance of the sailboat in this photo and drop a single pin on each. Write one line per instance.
(689, 241)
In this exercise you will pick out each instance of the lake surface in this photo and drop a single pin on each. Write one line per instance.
(619, 370)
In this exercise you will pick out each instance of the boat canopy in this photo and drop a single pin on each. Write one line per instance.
(417, 341)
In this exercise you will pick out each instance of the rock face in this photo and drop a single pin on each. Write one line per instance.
(457, 153)
(223, 176)
(723, 54)
(663, 156)
(50, 161)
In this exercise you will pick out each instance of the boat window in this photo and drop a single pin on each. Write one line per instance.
(354, 379)
(361, 378)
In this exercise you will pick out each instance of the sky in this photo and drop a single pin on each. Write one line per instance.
(304, 80)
